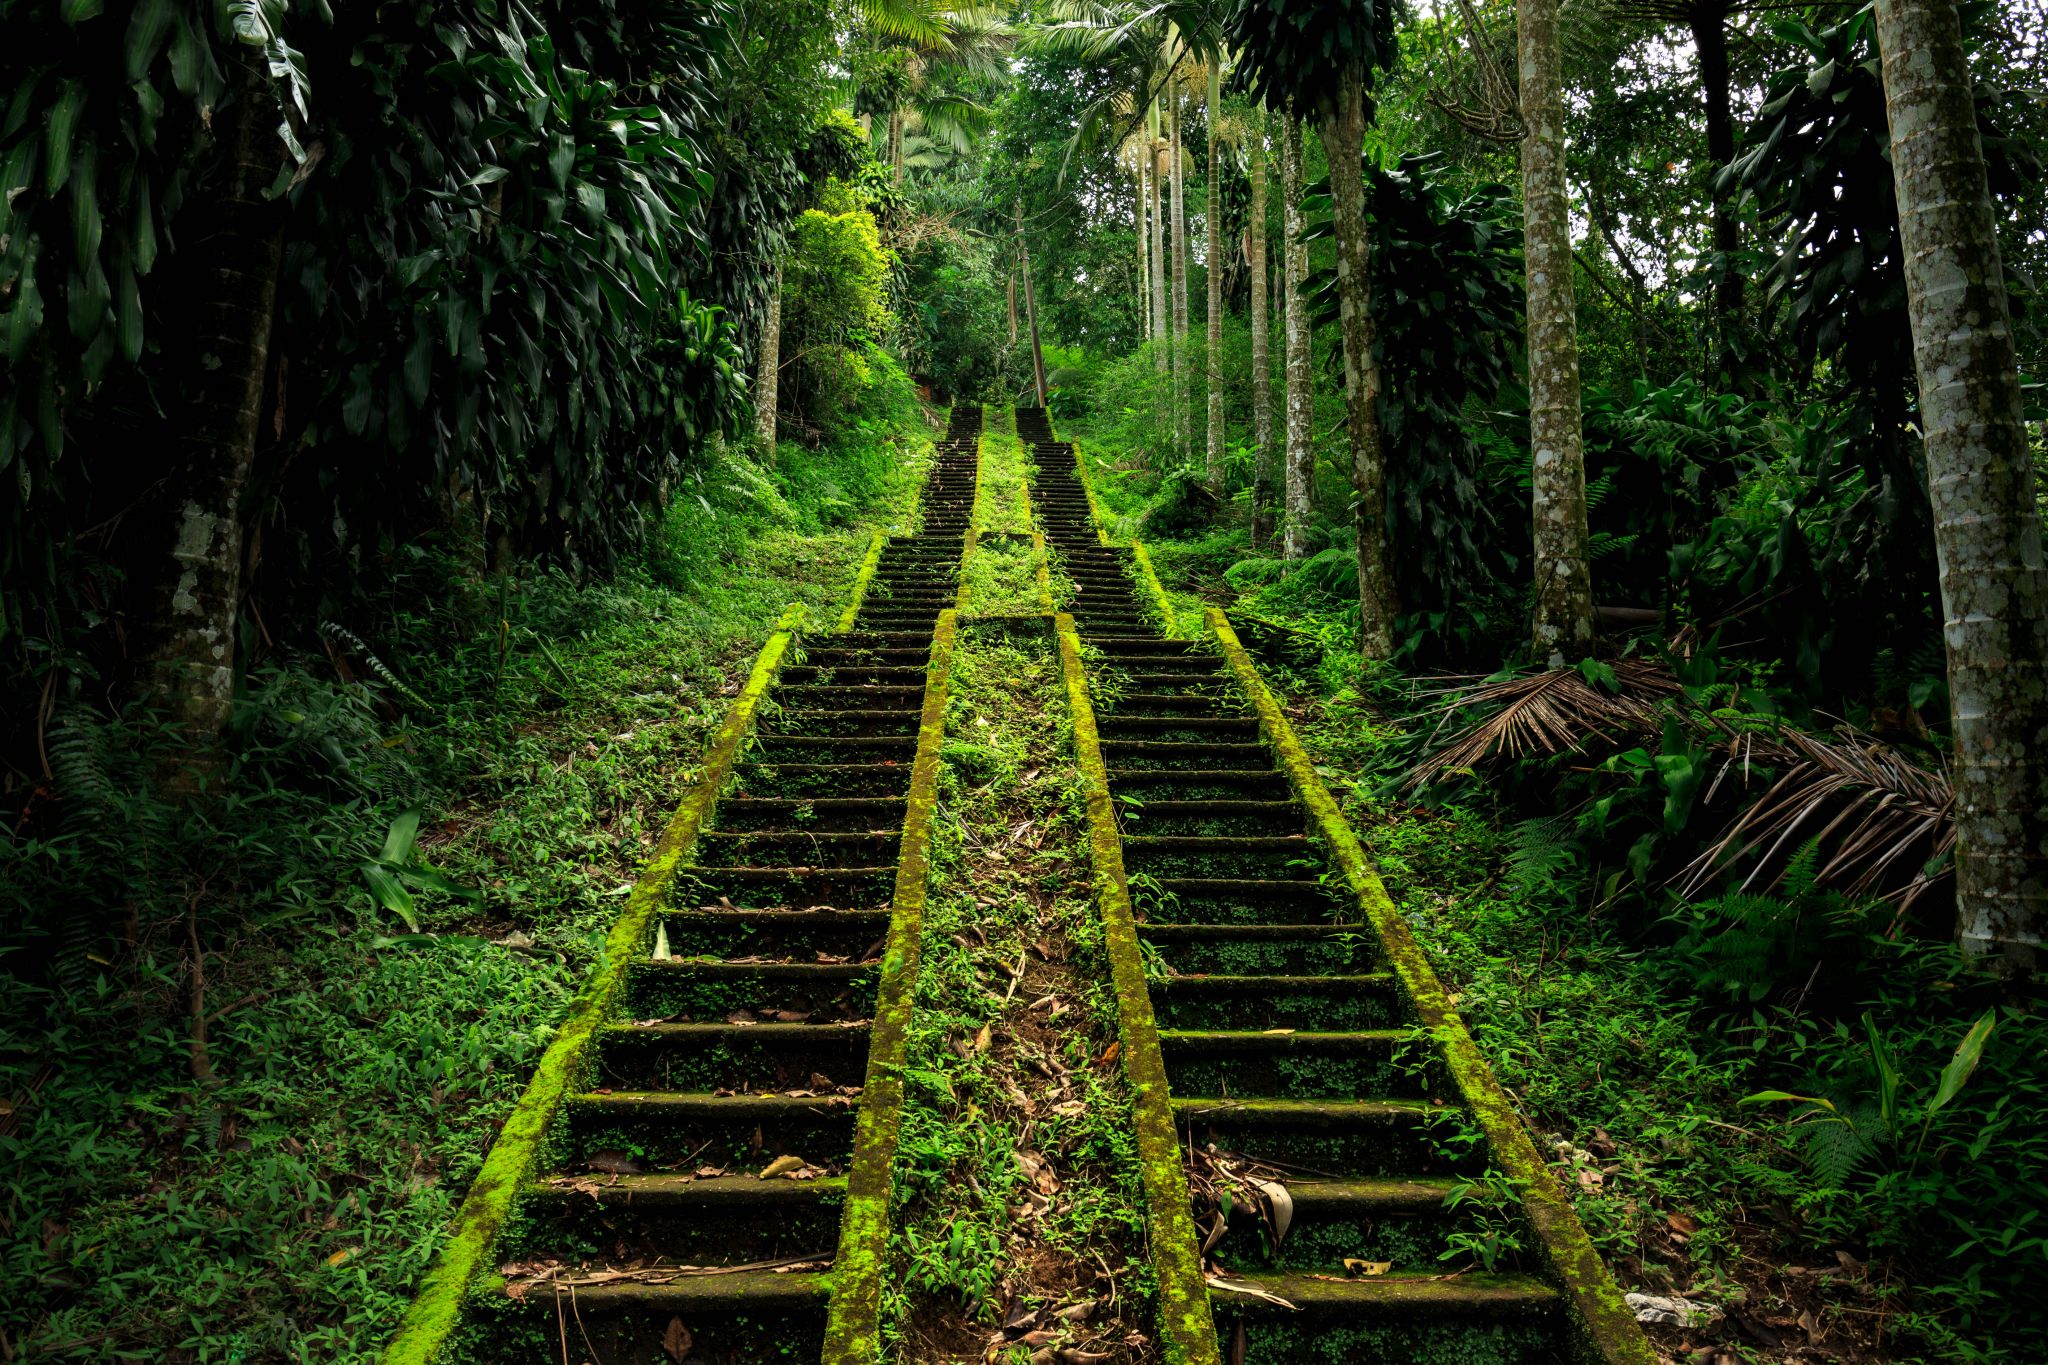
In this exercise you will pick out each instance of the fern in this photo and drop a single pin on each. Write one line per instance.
(1540, 853)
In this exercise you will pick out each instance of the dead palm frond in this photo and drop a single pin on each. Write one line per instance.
(1876, 818)
(1550, 713)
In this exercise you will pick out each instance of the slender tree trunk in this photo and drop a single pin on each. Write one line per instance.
(1562, 622)
(1177, 171)
(1343, 131)
(767, 379)
(1144, 254)
(1030, 308)
(1301, 401)
(896, 145)
(195, 573)
(1213, 335)
(1013, 308)
(1262, 360)
(1162, 333)
(1710, 41)
(1987, 528)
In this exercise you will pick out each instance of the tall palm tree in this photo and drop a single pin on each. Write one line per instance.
(1301, 450)
(1262, 361)
(1213, 219)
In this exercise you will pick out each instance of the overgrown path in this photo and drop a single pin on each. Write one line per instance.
(1010, 988)
(675, 1181)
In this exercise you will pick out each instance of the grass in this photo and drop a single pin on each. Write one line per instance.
(1017, 1166)
(277, 1195)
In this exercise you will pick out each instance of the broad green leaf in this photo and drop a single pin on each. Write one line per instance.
(1887, 1074)
(1968, 1053)
(399, 841)
(390, 893)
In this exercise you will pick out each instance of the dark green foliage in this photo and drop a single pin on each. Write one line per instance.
(1448, 304)
(1301, 51)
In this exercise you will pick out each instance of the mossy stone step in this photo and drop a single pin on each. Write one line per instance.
(795, 848)
(840, 813)
(792, 780)
(1517, 1298)
(670, 1190)
(673, 1127)
(1166, 753)
(872, 674)
(747, 1291)
(835, 724)
(796, 748)
(798, 935)
(767, 1056)
(767, 888)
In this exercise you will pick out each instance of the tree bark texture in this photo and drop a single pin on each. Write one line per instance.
(1562, 620)
(1161, 333)
(195, 588)
(1301, 446)
(1013, 308)
(1343, 131)
(896, 144)
(1213, 335)
(1262, 360)
(1987, 530)
(1144, 255)
(767, 378)
(1030, 309)
(1178, 172)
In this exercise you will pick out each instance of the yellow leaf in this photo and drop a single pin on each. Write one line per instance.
(342, 1255)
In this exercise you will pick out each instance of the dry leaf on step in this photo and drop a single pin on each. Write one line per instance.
(1281, 1204)
(782, 1165)
(676, 1342)
(1358, 1267)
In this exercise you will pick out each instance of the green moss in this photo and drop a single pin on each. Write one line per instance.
(861, 581)
(853, 1324)
(1602, 1328)
(1185, 1329)
(1280, 1342)
(565, 1065)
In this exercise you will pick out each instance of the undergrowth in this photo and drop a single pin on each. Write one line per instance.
(247, 1077)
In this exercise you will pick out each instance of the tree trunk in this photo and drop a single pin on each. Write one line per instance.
(1987, 529)
(1030, 308)
(1161, 329)
(1213, 336)
(767, 378)
(896, 145)
(195, 574)
(1262, 360)
(1710, 41)
(1301, 400)
(1177, 171)
(1343, 131)
(1144, 256)
(1563, 617)
(1013, 308)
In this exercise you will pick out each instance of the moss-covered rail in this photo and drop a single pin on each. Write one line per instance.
(700, 1163)
(1362, 1188)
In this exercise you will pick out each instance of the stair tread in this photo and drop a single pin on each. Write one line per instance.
(1486, 1295)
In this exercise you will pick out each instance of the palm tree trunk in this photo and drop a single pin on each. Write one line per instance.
(1994, 588)
(1562, 620)
(1301, 449)
(1144, 254)
(1178, 176)
(195, 573)
(767, 376)
(1213, 336)
(1262, 361)
(1343, 130)
(1030, 308)
(1161, 329)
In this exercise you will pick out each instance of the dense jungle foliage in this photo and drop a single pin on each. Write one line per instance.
(414, 415)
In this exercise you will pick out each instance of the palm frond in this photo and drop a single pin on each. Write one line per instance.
(1877, 820)
(1550, 713)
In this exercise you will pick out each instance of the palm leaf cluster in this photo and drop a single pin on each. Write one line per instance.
(1872, 821)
